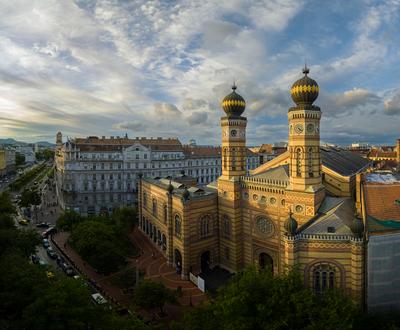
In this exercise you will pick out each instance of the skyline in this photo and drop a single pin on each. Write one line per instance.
(162, 69)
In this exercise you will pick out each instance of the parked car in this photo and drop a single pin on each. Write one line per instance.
(69, 271)
(51, 253)
(23, 222)
(60, 261)
(43, 225)
(45, 243)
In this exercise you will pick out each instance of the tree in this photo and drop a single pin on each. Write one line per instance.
(20, 284)
(63, 305)
(6, 205)
(255, 299)
(30, 197)
(125, 219)
(68, 220)
(98, 243)
(19, 159)
(149, 295)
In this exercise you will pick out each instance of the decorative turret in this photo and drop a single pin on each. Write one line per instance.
(305, 90)
(233, 104)
(357, 227)
(170, 188)
(290, 225)
(186, 194)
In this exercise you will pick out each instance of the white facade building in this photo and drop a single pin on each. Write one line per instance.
(95, 175)
(28, 152)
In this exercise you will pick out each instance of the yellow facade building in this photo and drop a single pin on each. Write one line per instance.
(297, 209)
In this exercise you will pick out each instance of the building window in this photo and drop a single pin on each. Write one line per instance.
(154, 207)
(310, 163)
(324, 278)
(165, 214)
(226, 225)
(298, 162)
(264, 225)
(205, 225)
(177, 226)
(227, 253)
(144, 199)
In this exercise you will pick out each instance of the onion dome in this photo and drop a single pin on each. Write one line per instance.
(233, 104)
(357, 227)
(305, 90)
(186, 194)
(290, 225)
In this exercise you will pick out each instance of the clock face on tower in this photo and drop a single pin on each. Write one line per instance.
(233, 133)
(310, 128)
(299, 128)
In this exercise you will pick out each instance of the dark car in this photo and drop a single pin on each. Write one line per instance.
(43, 225)
(69, 271)
(51, 253)
(46, 243)
(60, 260)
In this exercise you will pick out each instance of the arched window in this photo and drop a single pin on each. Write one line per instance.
(310, 163)
(298, 162)
(224, 158)
(324, 278)
(177, 225)
(205, 225)
(233, 159)
(165, 214)
(226, 225)
(154, 206)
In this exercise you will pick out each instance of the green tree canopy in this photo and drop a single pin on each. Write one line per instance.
(30, 197)
(256, 300)
(68, 220)
(149, 295)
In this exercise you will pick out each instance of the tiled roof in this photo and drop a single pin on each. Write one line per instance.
(206, 151)
(94, 143)
(342, 161)
(275, 173)
(380, 200)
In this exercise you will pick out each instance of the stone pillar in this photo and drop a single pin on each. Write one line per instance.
(357, 270)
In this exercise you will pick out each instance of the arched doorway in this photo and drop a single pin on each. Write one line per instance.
(178, 261)
(205, 260)
(266, 261)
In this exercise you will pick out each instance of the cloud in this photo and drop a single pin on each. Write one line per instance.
(166, 109)
(197, 118)
(133, 125)
(392, 106)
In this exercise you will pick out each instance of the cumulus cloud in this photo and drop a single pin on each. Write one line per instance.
(166, 109)
(392, 106)
(87, 67)
(196, 118)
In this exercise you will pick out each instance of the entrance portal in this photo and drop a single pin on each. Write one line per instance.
(266, 261)
(178, 261)
(205, 261)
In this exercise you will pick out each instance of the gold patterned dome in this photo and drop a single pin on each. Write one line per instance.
(305, 90)
(233, 104)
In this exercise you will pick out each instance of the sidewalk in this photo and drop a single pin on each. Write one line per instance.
(153, 264)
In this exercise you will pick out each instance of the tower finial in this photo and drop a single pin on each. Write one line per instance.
(234, 85)
(306, 70)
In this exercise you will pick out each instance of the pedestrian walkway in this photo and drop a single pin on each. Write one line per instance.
(156, 268)
(151, 262)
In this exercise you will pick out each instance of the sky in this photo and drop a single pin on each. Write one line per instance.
(162, 68)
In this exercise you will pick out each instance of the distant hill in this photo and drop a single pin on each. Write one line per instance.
(10, 141)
